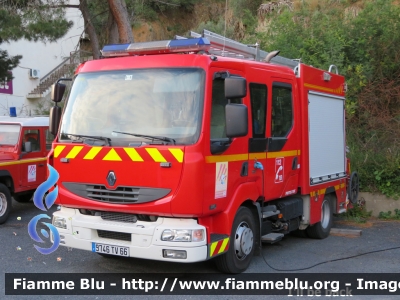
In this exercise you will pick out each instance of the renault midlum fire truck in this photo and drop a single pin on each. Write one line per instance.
(194, 149)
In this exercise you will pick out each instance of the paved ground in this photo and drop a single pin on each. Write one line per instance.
(336, 254)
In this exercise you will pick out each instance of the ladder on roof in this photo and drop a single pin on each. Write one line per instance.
(223, 46)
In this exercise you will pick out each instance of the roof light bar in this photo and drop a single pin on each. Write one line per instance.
(157, 47)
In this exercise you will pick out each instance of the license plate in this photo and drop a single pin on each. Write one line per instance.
(110, 249)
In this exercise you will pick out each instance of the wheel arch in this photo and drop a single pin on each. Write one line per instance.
(245, 195)
(7, 180)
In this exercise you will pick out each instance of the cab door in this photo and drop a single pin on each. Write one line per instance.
(33, 164)
(226, 159)
(283, 149)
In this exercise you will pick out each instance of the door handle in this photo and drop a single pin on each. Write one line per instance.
(41, 165)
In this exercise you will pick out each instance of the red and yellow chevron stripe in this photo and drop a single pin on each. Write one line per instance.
(119, 154)
(219, 247)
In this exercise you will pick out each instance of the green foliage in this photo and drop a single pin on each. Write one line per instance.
(365, 46)
(33, 20)
(7, 63)
(357, 214)
(388, 215)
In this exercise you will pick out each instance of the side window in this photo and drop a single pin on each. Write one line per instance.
(32, 135)
(49, 139)
(282, 109)
(258, 97)
(218, 109)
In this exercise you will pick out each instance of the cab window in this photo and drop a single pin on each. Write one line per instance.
(33, 136)
(282, 109)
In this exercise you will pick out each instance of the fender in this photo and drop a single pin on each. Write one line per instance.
(7, 179)
(221, 223)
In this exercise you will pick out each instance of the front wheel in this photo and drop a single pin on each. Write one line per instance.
(322, 229)
(5, 203)
(241, 244)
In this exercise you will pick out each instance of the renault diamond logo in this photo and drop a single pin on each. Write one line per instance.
(111, 178)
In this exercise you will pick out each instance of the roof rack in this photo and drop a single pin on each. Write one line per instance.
(223, 46)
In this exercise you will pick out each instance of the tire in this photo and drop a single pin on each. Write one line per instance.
(5, 203)
(23, 198)
(353, 188)
(241, 245)
(322, 229)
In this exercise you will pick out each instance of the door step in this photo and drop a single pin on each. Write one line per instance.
(272, 237)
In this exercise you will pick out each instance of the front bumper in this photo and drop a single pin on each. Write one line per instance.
(144, 237)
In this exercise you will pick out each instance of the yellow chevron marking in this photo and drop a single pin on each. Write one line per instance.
(133, 154)
(212, 248)
(74, 152)
(223, 158)
(342, 185)
(338, 90)
(337, 187)
(223, 246)
(92, 153)
(282, 154)
(177, 153)
(58, 150)
(155, 154)
(23, 161)
(112, 155)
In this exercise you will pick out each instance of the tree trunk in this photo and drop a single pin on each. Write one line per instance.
(94, 41)
(113, 36)
(121, 17)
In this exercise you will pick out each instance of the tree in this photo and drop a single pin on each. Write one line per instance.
(32, 20)
(7, 63)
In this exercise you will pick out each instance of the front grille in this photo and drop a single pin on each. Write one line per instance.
(128, 218)
(120, 195)
(122, 236)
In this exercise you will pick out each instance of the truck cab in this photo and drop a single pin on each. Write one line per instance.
(24, 145)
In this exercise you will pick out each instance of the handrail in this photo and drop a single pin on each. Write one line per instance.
(64, 62)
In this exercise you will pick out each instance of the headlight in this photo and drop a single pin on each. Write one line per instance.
(60, 222)
(183, 235)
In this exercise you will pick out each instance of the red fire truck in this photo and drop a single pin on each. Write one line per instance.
(194, 149)
(24, 145)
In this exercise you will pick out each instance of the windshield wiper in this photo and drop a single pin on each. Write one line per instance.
(150, 137)
(102, 138)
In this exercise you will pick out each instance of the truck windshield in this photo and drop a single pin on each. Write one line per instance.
(9, 134)
(164, 103)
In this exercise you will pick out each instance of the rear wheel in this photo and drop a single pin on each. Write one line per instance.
(5, 203)
(23, 198)
(241, 244)
(322, 229)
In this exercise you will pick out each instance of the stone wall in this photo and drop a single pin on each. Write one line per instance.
(377, 203)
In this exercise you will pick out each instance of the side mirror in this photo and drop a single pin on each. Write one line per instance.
(235, 87)
(28, 147)
(57, 92)
(54, 119)
(236, 120)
